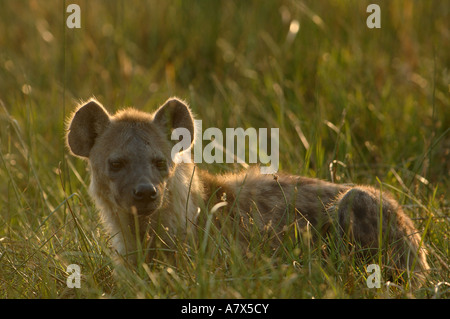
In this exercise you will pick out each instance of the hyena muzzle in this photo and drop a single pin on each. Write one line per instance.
(141, 192)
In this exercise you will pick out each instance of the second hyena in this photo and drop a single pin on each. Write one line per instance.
(142, 193)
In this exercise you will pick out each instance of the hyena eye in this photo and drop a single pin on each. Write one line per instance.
(160, 164)
(116, 165)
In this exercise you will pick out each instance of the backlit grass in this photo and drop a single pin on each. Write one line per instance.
(375, 101)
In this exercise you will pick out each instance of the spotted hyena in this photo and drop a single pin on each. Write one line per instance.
(142, 193)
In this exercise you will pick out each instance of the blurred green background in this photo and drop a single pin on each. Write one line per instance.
(377, 100)
(238, 64)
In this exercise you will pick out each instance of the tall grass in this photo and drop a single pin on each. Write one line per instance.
(374, 102)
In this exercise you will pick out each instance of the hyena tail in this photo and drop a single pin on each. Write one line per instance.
(376, 224)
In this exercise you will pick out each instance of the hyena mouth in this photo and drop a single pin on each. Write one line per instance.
(143, 211)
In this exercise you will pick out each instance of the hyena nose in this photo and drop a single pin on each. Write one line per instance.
(145, 193)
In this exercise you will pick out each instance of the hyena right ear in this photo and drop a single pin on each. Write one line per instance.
(87, 123)
(174, 114)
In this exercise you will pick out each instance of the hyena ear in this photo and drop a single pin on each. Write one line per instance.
(174, 114)
(87, 123)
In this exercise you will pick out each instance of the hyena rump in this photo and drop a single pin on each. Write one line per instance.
(141, 192)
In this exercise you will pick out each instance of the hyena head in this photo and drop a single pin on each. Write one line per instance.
(129, 153)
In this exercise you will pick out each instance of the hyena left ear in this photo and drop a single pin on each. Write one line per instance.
(87, 123)
(173, 114)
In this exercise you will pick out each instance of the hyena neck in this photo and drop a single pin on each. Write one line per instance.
(119, 225)
(183, 194)
(215, 186)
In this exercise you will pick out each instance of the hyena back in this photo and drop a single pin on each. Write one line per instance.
(141, 192)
